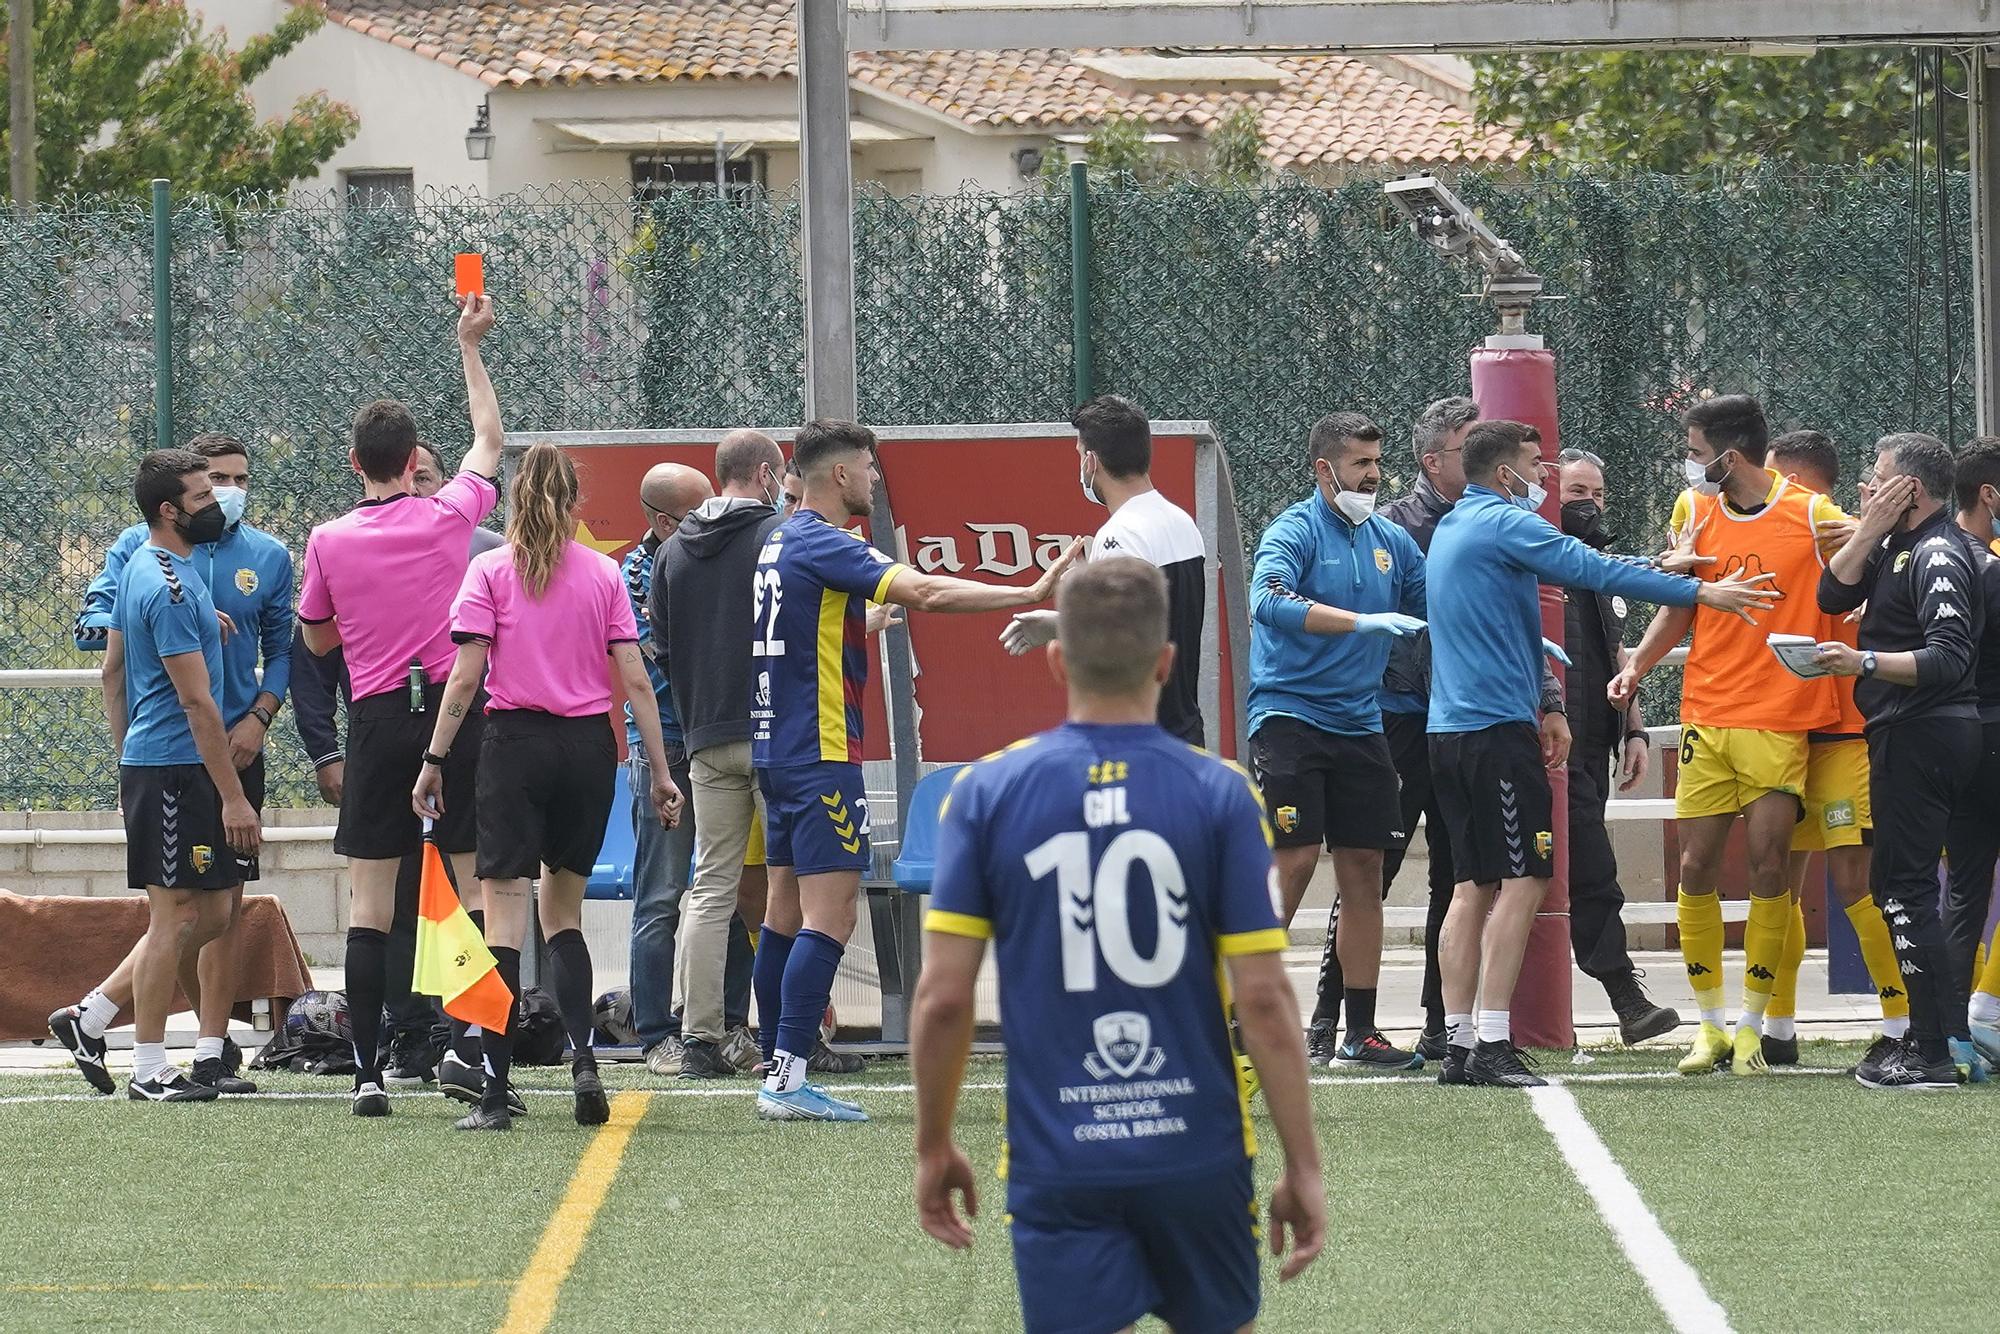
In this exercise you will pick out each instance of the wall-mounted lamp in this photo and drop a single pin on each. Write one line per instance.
(479, 139)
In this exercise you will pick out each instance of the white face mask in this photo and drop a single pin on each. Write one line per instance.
(1697, 478)
(232, 499)
(1534, 496)
(1089, 489)
(1354, 506)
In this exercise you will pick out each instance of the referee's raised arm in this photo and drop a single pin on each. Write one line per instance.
(475, 318)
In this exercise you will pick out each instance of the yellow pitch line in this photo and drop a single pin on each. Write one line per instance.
(534, 1302)
(442, 1285)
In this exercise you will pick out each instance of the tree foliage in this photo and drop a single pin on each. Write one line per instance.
(1120, 152)
(1678, 112)
(126, 91)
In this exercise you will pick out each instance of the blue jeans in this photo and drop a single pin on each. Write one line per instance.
(659, 879)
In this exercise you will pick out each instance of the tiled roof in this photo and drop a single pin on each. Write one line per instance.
(1325, 110)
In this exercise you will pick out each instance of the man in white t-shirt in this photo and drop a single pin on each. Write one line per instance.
(1115, 445)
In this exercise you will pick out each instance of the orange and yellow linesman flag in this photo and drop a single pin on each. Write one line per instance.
(453, 962)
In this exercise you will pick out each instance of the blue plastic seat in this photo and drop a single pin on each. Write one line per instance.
(916, 859)
(612, 878)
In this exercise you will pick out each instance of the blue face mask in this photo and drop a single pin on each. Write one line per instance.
(232, 500)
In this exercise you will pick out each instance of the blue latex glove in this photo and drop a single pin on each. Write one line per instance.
(1555, 650)
(1391, 623)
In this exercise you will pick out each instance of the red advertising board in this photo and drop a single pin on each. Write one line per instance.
(996, 504)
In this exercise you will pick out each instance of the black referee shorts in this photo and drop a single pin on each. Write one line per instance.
(385, 751)
(1328, 786)
(545, 789)
(1494, 793)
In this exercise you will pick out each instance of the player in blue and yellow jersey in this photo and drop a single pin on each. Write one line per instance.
(813, 583)
(1126, 880)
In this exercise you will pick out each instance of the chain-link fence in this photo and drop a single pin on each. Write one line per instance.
(1833, 296)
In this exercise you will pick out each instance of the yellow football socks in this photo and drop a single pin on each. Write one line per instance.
(1763, 954)
(1880, 956)
(1780, 1016)
(1700, 920)
(1989, 975)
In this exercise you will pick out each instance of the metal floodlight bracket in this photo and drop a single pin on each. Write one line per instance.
(1448, 225)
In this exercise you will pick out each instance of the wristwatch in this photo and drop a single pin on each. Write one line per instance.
(1868, 663)
(262, 714)
(434, 759)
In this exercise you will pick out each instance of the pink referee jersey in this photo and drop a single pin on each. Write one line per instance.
(549, 652)
(385, 572)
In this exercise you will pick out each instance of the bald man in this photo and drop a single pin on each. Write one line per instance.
(702, 614)
(660, 867)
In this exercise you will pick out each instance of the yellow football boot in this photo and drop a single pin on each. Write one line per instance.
(1749, 1057)
(1711, 1047)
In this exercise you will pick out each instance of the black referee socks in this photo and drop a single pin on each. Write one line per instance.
(569, 966)
(367, 979)
(499, 1047)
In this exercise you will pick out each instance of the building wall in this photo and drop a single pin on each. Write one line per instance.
(414, 111)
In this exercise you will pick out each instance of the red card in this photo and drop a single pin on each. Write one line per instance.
(469, 273)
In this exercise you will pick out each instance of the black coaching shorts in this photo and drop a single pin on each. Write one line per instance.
(385, 749)
(173, 828)
(1498, 808)
(1328, 786)
(545, 789)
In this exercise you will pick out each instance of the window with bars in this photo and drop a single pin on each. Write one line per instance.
(655, 174)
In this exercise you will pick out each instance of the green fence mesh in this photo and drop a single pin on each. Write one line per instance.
(1259, 310)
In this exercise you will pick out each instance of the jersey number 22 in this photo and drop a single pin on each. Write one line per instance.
(1093, 907)
(764, 619)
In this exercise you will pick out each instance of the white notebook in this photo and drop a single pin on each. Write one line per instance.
(1800, 654)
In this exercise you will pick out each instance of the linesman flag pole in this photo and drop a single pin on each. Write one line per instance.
(453, 962)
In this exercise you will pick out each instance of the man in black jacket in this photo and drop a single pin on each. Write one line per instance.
(1594, 636)
(701, 612)
(1915, 569)
(1436, 439)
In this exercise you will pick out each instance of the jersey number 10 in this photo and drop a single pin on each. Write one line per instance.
(1093, 907)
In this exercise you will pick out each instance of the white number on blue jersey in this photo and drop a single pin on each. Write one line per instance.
(1093, 908)
(767, 644)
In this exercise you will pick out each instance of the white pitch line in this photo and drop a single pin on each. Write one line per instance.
(1675, 1286)
(1411, 1080)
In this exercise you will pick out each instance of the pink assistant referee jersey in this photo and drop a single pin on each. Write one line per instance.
(549, 652)
(385, 573)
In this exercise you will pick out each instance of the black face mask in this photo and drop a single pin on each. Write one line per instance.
(1584, 521)
(205, 525)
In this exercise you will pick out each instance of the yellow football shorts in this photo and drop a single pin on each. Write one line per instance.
(1837, 810)
(1724, 769)
(754, 852)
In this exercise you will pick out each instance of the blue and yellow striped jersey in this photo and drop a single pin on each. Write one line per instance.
(809, 644)
(1114, 867)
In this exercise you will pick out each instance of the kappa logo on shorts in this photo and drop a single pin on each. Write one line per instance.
(246, 581)
(1382, 561)
(201, 857)
(1839, 815)
(1287, 819)
(1124, 1046)
(1545, 844)
(843, 822)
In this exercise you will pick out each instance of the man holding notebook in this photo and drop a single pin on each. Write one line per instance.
(1745, 718)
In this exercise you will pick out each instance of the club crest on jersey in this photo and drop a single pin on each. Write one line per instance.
(1287, 819)
(201, 857)
(1382, 559)
(1620, 608)
(1902, 563)
(1124, 1046)
(246, 581)
(1545, 844)
(763, 690)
